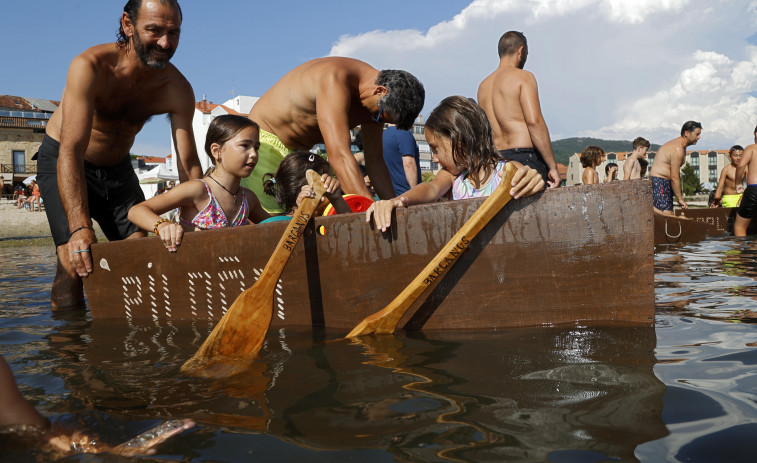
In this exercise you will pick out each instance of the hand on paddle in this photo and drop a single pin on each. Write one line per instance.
(333, 189)
(526, 181)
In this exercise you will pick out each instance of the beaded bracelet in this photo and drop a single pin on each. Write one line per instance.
(157, 224)
(80, 228)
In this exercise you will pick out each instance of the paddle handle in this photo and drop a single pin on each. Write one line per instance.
(385, 321)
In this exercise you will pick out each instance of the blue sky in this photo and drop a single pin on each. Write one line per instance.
(614, 69)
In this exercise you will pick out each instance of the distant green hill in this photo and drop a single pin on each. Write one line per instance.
(567, 147)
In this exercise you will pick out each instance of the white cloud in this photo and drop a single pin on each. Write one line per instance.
(610, 68)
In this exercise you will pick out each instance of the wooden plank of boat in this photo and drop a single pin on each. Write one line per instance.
(721, 218)
(579, 254)
(669, 229)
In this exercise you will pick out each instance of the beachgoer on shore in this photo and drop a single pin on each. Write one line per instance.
(510, 99)
(747, 167)
(319, 102)
(728, 193)
(289, 185)
(591, 157)
(84, 167)
(632, 166)
(217, 200)
(666, 169)
(471, 167)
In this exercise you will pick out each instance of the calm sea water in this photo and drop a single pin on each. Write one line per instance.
(685, 390)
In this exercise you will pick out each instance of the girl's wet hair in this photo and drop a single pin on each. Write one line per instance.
(289, 179)
(591, 155)
(224, 128)
(466, 126)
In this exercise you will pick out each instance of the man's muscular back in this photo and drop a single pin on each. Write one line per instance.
(288, 109)
(499, 95)
(122, 103)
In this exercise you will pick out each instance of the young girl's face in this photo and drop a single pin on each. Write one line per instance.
(239, 155)
(441, 151)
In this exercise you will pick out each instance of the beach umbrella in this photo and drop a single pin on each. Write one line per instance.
(29, 179)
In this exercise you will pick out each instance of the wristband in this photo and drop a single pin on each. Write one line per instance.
(80, 228)
(157, 224)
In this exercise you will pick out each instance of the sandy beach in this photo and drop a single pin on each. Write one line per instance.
(19, 226)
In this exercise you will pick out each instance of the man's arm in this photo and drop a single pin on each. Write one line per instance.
(373, 147)
(332, 111)
(77, 109)
(741, 168)
(537, 127)
(187, 162)
(675, 175)
(411, 170)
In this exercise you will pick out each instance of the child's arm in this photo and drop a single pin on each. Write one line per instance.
(719, 191)
(426, 192)
(146, 215)
(257, 213)
(334, 194)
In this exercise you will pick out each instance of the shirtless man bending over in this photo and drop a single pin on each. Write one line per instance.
(747, 167)
(510, 99)
(320, 101)
(666, 169)
(84, 168)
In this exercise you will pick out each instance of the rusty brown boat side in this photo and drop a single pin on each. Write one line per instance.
(579, 254)
(670, 229)
(721, 218)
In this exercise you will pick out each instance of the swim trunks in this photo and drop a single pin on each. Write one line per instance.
(731, 200)
(748, 205)
(212, 215)
(662, 193)
(111, 191)
(462, 188)
(528, 157)
(270, 155)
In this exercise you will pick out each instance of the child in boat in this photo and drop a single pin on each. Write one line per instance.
(217, 200)
(460, 138)
(289, 185)
(591, 157)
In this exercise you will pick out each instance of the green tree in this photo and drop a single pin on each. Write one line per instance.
(690, 184)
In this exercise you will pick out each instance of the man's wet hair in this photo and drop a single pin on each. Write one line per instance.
(690, 126)
(641, 142)
(735, 148)
(405, 96)
(132, 9)
(510, 42)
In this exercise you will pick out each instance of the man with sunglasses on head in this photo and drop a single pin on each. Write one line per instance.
(319, 102)
(84, 167)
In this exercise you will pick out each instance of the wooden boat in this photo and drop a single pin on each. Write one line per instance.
(720, 219)
(580, 254)
(670, 229)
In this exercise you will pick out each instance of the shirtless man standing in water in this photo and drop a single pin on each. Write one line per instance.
(747, 166)
(320, 101)
(666, 168)
(84, 168)
(510, 99)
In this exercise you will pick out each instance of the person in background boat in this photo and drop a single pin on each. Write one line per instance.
(460, 138)
(666, 170)
(611, 172)
(85, 171)
(17, 415)
(402, 158)
(632, 166)
(728, 193)
(510, 99)
(289, 185)
(217, 200)
(747, 167)
(591, 157)
(320, 101)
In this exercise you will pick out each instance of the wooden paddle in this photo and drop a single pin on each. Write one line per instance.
(240, 333)
(385, 321)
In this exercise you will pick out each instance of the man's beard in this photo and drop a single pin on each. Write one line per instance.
(143, 51)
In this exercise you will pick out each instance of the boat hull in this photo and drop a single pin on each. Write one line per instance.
(581, 254)
(720, 219)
